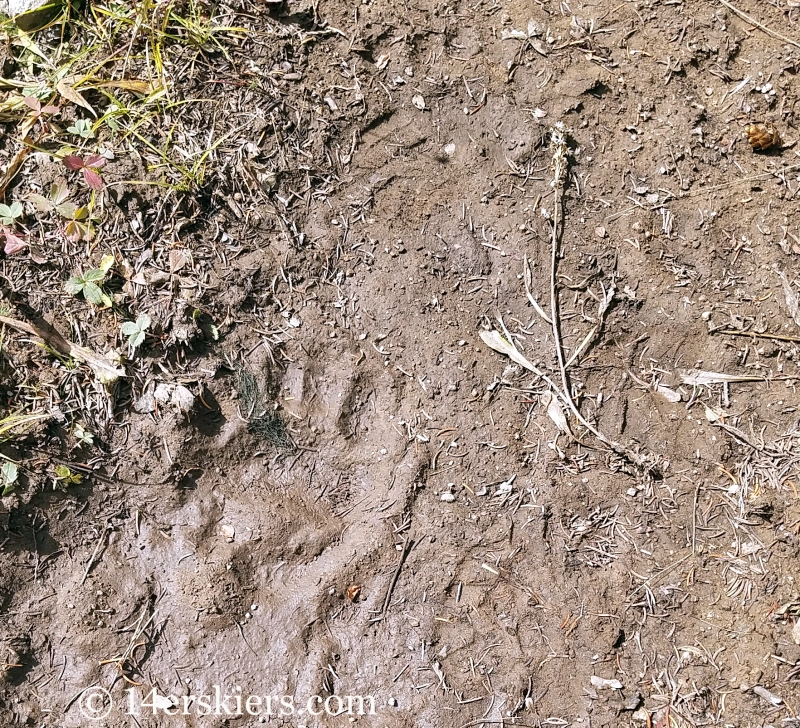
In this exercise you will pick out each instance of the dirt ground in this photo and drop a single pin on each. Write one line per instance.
(394, 514)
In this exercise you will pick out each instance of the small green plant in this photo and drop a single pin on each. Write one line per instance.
(8, 475)
(59, 191)
(10, 213)
(84, 437)
(204, 322)
(198, 29)
(89, 283)
(110, 117)
(135, 330)
(65, 477)
(78, 226)
(82, 128)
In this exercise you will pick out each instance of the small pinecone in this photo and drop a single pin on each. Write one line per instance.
(763, 136)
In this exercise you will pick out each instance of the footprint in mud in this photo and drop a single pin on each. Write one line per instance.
(336, 391)
(271, 564)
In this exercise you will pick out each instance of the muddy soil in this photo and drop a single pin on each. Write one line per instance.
(410, 524)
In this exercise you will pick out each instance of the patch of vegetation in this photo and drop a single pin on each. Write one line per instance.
(95, 90)
(262, 419)
(135, 331)
(89, 284)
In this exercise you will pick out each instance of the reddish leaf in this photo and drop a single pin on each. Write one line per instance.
(73, 162)
(33, 103)
(50, 109)
(13, 243)
(94, 160)
(93, 179)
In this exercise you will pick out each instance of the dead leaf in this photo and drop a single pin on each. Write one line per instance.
(177, 260)
(14, 244)
(539, 47)
(668, 393)
(556, 413)
(145, 88)
(37, 255)
(699, 378)
(104, 368)
(533, 301)
(792, 302)
(71, 94)
(496, 341)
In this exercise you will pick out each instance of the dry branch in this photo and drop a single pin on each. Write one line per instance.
(104, 370)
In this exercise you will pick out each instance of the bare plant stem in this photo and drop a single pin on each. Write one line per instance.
(559, 179)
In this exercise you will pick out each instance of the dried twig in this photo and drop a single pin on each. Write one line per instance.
(97, 548)
(126, 663)
(589, 339)
(753, 21)
(407, 546)
(755, 334)
(105, 371)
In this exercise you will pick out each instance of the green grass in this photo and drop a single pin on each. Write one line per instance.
(117, 71)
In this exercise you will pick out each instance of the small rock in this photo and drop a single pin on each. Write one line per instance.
(182, 398)
(767, 695)
(145, 404)
(162, 702)
(418, 101)
(227, 532)
(162, 393)
(600, 232)
(796, 632)
(182, 334)
(602, 683)
(633, 702)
